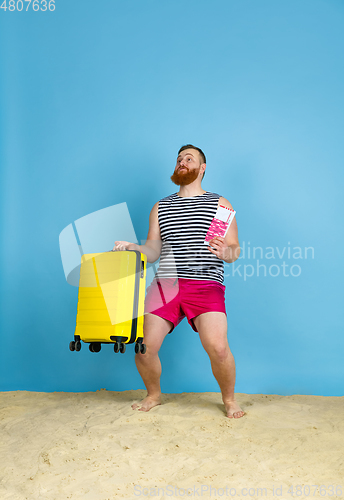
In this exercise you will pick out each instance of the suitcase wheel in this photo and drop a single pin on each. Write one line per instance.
(72, 346)
(140, 348)
(77, 345)
(119, 347)
(95, 346)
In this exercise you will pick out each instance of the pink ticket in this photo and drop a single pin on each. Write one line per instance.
(220, 223)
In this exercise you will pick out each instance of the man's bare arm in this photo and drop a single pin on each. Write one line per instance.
(152, 247)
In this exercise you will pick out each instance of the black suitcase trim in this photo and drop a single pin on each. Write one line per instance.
(136, 297)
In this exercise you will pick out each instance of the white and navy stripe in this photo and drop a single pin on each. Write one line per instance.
(184, 222)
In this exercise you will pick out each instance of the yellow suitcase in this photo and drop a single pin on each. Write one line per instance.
(111, 301)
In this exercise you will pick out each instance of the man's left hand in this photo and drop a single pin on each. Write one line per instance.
(228, 253)
(219, 247)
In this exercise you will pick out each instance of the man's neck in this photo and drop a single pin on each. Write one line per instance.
(190, 190)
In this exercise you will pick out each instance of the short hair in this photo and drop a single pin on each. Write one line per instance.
(190, 146)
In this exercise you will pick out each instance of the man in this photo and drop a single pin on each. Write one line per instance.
(189, 279)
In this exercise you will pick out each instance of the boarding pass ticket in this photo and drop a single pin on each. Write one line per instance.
(220, 223)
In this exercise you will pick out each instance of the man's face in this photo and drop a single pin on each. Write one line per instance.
(187, 168)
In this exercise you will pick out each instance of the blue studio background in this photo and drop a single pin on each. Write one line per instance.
(97, 98)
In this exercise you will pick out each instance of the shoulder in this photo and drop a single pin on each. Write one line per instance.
(167, 198)
(223, 201)
(155, 208)
(164, 202)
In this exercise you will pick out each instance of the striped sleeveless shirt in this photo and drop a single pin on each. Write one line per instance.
(184, 222)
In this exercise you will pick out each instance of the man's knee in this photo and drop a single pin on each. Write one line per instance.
(218, 352)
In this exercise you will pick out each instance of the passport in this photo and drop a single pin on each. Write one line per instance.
(220, 223)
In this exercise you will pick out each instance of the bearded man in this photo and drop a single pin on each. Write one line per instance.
(189, 280)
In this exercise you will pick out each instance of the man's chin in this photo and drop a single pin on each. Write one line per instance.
(181, 182)
(184, 179)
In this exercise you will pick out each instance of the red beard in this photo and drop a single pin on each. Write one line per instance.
(184, 177)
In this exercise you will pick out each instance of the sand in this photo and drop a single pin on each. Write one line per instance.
(94, 446)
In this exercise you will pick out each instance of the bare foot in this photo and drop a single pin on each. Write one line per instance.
(233, 410)
(147, 403)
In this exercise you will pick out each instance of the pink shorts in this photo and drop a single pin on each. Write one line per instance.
(173, 299)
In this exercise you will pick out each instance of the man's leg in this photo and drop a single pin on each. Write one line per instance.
(155, 330)
(212, 329)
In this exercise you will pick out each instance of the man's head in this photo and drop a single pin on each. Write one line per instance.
(191, 162)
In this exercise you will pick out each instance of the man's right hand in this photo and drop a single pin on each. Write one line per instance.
(123, 245)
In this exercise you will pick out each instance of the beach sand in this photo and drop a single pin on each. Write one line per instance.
(94, 446)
